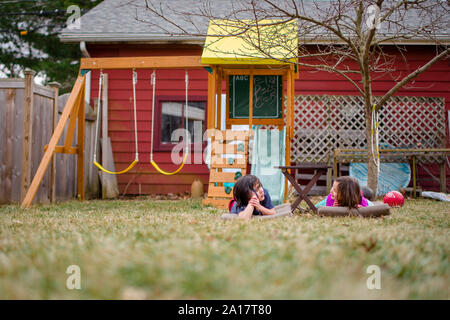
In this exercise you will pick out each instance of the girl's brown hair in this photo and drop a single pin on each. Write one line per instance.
(348, 193)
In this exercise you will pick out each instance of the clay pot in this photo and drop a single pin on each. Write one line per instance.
(197, 189)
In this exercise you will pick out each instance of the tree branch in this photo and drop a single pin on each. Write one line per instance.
(411, 76)
(316, 22)
(331, 69)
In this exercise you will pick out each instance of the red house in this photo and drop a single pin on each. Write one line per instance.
(116, 28)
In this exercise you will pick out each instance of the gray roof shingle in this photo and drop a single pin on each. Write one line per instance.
(128, 21)
(125, 20)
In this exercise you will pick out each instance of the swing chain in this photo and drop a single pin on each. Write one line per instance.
(135, 80)
(99, 101)
(188, 136)
(153, 83)
(136, 160)
(374, 137)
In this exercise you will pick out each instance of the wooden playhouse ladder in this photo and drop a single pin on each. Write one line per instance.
(229, 150)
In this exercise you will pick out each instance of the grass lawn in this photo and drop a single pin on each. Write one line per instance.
(178, 250)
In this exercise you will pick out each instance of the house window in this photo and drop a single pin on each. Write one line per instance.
(172, 117)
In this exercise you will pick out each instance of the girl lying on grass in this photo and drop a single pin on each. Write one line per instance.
(346, 193)
(250, 198)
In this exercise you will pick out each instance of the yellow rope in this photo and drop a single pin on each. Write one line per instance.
(98, 165)
(169, 173)
(375, 134)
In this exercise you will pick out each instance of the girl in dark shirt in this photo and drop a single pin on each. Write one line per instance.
(250, 198)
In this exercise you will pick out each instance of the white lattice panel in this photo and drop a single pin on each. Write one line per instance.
(325, 123)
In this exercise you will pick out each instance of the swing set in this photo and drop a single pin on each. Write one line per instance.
(74, 112)
(136, 159)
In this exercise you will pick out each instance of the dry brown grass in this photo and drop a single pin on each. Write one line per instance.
(147, 249)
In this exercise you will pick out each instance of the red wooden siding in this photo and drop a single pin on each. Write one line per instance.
(144, 179)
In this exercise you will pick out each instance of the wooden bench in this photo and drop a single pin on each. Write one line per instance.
(397, 155)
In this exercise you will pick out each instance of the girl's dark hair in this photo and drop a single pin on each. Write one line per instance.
(242, 191)
(348, 192)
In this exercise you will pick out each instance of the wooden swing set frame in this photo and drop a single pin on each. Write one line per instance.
(74, 110)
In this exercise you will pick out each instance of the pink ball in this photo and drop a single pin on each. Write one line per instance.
(394, 199)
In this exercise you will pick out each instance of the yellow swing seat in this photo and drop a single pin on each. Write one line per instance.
(155, 165)
(136, 159)
(98, 165)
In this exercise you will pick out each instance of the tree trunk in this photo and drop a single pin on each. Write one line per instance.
(372, 167)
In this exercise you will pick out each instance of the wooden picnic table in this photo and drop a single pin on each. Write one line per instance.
(303, 193)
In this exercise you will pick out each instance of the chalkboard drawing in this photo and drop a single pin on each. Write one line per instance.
(267, 97)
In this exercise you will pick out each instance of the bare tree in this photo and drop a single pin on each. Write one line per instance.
(350, 38)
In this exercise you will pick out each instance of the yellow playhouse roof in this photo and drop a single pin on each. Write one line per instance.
(250, 42)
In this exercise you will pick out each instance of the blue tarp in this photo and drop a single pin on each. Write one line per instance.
(393, 176)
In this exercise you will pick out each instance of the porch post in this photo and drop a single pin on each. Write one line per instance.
(211, 99)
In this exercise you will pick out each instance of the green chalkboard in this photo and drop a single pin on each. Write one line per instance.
(267, 97)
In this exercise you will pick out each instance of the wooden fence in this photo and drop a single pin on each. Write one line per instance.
(27, 119)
